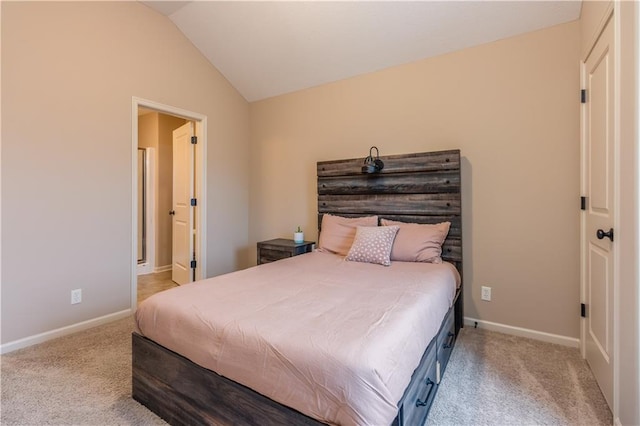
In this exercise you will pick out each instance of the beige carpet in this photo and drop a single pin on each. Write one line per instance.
(492, 379)
(81, 379)
(497, 379)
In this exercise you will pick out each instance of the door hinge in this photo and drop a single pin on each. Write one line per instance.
(194, 140)
(193, 264)
(583, 203)
(583, 96)
(583, 310)
(194, 202)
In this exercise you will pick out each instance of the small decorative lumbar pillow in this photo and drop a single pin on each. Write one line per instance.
(373, 244)
(418, 242)
(337, 233)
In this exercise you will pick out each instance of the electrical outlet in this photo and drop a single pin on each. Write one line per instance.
(76, 296)
(485, 293)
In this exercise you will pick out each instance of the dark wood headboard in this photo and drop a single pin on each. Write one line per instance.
(418, 188)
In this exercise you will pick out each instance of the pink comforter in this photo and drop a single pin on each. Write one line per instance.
(335, 340)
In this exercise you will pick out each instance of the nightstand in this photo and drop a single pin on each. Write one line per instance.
(280, 248)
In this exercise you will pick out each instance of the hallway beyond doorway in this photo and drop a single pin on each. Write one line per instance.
(150, 284)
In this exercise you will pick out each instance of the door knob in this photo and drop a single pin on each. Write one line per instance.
(601, 234)
(172, 212)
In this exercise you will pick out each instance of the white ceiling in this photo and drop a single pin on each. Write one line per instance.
(268, 48)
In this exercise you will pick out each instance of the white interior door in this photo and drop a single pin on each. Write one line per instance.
(599, 216)
(183, 192)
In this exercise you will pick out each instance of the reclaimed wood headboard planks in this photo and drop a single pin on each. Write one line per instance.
(419, 188)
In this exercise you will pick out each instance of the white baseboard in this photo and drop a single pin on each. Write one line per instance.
(524, 332)
(145, 268)
(59, 332)
(164, 268)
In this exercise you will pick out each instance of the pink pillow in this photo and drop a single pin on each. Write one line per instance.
(337, 232)
(418, 243)
(372, 244)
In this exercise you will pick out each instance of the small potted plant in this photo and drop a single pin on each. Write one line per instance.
(298, 236)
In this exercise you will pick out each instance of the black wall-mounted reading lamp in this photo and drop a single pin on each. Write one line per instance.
(373, 165)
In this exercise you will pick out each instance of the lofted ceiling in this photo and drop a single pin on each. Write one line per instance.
(268, 48)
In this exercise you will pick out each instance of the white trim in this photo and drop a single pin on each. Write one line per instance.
(583, 216)
(164, 268)
(145, 268)
(150, 219)
(524, 332)
(200, 184)
(63, 331)
(598, 30)
(0, 197)
(617, 108)
(637, 208)
(201, 191)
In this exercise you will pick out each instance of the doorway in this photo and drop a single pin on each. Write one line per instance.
(197, 172)
(157, 238)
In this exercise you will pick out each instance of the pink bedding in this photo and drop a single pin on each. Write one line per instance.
(335, 340)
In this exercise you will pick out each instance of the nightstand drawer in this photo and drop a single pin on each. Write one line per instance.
(266, 255)
(280, 248)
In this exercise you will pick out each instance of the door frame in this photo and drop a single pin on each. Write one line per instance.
(609, 15)
(200, 183)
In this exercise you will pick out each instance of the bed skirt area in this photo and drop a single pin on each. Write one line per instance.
(184, 393)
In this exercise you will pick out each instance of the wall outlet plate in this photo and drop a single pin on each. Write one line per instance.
(76, 296)
(485, 293)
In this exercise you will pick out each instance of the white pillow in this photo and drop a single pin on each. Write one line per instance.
(372, 244)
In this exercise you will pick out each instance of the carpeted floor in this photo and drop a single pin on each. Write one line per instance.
(498, 379)
(81, 379)
(492, 379)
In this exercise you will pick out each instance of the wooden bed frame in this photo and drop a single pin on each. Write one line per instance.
(419, 188)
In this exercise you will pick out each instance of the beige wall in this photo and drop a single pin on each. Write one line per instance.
(69, 72)
(510, 106)
(148, 130)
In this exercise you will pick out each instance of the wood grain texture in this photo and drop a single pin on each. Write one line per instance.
(383, 204)
(414, 188)
(281, 248)
(404, 183)
(150, 284)
(405, 163)
(183, 393)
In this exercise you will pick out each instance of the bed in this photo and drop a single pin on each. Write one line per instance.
(275, 370)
